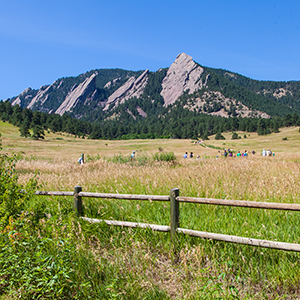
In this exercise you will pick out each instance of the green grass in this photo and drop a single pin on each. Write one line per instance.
(112, 262)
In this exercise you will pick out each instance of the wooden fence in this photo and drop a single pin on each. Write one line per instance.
(174, 227)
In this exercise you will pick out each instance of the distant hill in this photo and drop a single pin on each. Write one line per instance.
(108, 94)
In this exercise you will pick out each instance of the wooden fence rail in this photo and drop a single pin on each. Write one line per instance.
(174, 228)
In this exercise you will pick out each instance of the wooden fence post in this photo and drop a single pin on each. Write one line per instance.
(77, 200)
(174, 205)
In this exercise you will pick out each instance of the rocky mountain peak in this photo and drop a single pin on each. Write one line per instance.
(182, 75)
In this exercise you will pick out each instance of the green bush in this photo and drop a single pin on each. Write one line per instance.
(13, 196)
(142, 160)
(235, 136)
(92, 158)
(164, 156)
(119, 158)
(42, 266)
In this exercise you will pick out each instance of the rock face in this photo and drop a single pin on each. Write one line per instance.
(209, 99)
(181, 76)
(41, 96)
(18, 100)
(132, 88)
(77, 94)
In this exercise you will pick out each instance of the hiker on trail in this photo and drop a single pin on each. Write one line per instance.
(80, 160)
(133, 155)
(191, 155)
(238, 154)
(185, 155)
(253, 152)
(245, 153)
(264, 153)
(225, 153)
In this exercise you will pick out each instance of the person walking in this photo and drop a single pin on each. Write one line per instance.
(81, 160)
(132, 156)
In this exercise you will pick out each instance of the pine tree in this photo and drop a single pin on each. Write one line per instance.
(275, 126)
(219, 136)
(24, 129)
(38, 132)
(235, 136)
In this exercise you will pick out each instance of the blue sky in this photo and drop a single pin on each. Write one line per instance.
(41, 41)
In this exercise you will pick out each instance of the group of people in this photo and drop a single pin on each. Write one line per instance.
(185, 155)
(267, 153)
(229, 153)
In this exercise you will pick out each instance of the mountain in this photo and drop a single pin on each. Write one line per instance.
(109, 94)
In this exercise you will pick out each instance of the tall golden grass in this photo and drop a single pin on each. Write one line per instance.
(253, 178)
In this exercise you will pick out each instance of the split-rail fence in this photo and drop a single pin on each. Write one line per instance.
(174, 227)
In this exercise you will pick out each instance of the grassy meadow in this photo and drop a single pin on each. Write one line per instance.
(72, 259)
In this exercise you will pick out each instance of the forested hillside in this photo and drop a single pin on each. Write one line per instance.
(175, 123)
(284, 92)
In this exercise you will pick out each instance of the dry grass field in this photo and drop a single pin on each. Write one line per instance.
(66, 147)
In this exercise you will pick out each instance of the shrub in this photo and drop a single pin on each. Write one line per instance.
(235, 136)
(142, 160)
(164, 156)
(13, 196)
(36, 267)
(92, 158)
(119, 158)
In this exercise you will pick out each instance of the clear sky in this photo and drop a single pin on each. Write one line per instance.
(41, 41)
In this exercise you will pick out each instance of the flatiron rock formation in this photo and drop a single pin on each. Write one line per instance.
(132, 88)
(77, 94)
(182, 75)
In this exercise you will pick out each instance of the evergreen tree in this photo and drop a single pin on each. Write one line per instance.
(24, 128)
(288, 120)
(261, 127)
(17, 115)
(275, 126)
(37, 132)
(235, 136)
(219, 136)
(205, 136)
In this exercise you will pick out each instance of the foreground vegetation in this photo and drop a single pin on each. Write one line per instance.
(47, 252)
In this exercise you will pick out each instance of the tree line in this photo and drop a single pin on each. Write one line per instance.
(170, 123)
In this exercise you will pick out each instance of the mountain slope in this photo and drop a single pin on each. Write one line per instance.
(112, 93)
